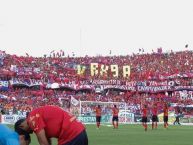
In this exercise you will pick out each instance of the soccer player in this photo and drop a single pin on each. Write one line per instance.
(98, 116)
(165, 117)
(115, 119)
(53, 122)
(9, 137)
(177, 115)
(154, 116)
(144, 117)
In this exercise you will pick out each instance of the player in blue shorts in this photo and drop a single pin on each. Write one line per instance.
(9, 137)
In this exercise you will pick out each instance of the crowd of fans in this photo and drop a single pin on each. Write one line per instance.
(41, 71)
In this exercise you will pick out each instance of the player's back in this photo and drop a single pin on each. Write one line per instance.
(154, 110)
(56, 122)
(165, 111)
(115, 111)
(98, 111)
(7, 136)
(144, 112)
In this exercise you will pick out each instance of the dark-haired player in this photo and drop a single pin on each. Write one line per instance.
(154, 116)
(165, 109)
(98, 116)
(144, 117)
(53, 122)
(115, 119)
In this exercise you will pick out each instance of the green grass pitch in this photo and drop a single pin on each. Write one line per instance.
(135, 135)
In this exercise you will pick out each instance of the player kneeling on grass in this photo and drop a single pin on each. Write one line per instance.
(115, 119)
(52, 122)
(9, 137)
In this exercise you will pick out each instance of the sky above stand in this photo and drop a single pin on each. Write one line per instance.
(94, 27)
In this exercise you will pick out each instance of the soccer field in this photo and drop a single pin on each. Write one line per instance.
(135, 135)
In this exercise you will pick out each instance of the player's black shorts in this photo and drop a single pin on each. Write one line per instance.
(81, 139)
(154, 118)
(98, 118)
(115, 118)
(165, 118)
(144, 119)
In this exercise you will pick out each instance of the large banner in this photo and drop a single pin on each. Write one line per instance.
(26, 82)
(113, 70)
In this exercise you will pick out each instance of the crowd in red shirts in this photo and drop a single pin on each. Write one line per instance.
(38, 72)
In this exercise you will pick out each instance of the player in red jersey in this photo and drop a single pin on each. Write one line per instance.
(165, 109)
(154, 116)
(98, 116)
(52, 122)
(115, 119)
(144, 117)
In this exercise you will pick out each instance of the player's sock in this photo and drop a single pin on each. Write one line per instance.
(156, 125)
(97, 124)
(113, 124)
(145, 127)
(152, 125)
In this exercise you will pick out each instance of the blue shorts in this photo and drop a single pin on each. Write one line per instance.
(8, 136)
(12, 139)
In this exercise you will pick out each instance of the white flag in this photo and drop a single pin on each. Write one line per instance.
(74, 101)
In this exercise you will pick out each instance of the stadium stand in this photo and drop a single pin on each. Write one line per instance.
(28, 82)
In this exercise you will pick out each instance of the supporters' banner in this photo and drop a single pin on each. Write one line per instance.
(138, 86)
(130, 83)
(120, 87)
(24, 70)
(101, 82)
(26, 82)
(177, 75)
(97, 69)
(4, 85)
(11, 119)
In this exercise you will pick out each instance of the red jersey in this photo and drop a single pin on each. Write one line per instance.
(98, 111)
(165, 111)
(115, 112)
(144, 112)
(56, 122)
(155, 111)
